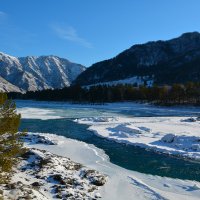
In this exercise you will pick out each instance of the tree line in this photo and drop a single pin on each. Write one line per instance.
(188, 93)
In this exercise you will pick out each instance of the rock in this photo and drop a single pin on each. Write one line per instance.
(101, 119)
(27, 154)
(36, 184)
(97, 195)
(169, 138)
(196, 147)
(195, 187)
(27, 197)
(11, 186)
(19, 183)
(59, 196)
(74, 166)
(92, 189)
(94, 177)
(44, 140)
(145, 129)
(30, 192)
(38, 176)
(57, 189)
(189, 120)
(86, 173)
(166, 185)
(58, 178)
(98, 181)
(69, 181)
(44, 162)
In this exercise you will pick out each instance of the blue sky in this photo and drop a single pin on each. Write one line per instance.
(88, 31)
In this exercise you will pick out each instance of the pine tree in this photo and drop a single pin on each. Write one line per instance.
(10, 144)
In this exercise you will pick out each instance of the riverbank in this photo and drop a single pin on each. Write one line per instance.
(120, 183)
(179, 136)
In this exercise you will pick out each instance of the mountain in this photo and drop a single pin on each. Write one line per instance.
(161, 62)
(5, 86)
(36, 73)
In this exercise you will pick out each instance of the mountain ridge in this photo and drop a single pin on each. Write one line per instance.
(156, 59)
(33, 73)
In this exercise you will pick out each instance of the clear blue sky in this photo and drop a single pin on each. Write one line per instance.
(87, 31)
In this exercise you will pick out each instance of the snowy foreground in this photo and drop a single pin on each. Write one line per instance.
(171, 135)
(45, 175)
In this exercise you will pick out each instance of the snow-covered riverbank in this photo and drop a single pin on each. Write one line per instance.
(46, 173)
(121, 183)
(170, 135)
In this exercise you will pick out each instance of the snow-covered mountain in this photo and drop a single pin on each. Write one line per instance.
(5, 86)
(36, 73)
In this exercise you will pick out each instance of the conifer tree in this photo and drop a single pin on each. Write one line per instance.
(10, 144)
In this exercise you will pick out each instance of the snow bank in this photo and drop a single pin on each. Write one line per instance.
(171, 135)
(138, 80)
(182, 142)
(37, 113)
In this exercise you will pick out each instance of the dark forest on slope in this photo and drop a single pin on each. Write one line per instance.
(166, 95)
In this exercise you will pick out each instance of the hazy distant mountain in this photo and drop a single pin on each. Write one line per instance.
(37, 73)
(161, 62)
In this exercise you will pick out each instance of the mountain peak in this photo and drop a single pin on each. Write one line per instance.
(2, 54)
(191, 34)
(38, 72)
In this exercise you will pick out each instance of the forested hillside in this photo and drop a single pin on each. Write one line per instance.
(161, 62)
(188, 93)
